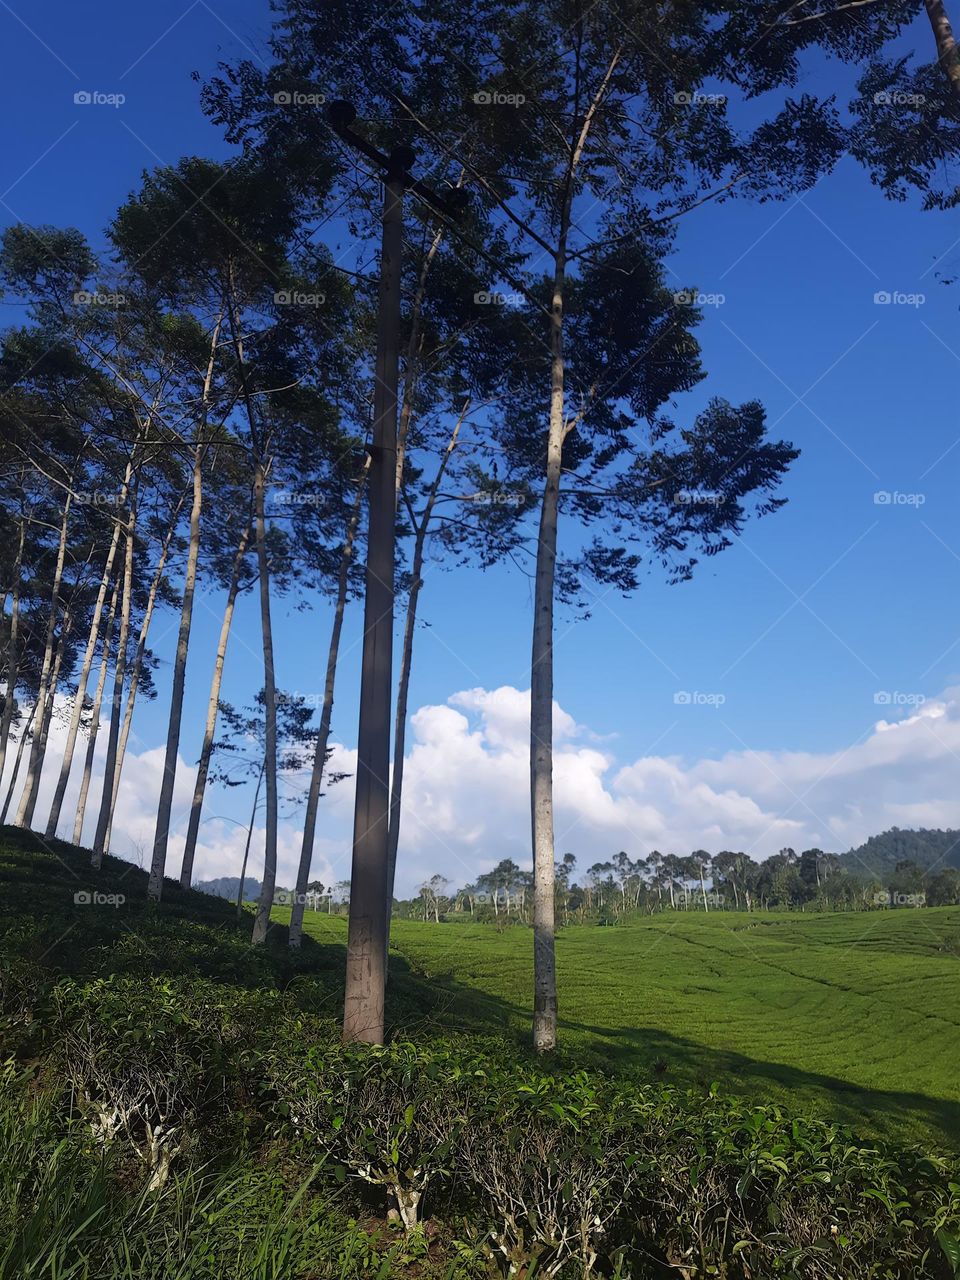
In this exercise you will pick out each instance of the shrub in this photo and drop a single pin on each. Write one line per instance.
(552, 1156)
(574, 1172)
(165, 1066)
(390, 1116)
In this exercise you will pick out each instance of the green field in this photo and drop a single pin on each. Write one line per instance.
(854, 1014)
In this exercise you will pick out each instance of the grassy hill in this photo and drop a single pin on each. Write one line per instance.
(678, 1033)
(852, 1015)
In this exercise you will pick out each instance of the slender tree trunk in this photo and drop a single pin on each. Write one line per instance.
(12, 655)
(213, 705)
(541, 661)
(947, 53)
(18, 758)
(48, 709)
(77, 710)
(165, 806)
(541, 700)
(95, 716)
(138, 662)
(108, 799)
(703, 891)
(246, 847)
(262, 922)
(323, 736)
(25, 808)
(406, 659)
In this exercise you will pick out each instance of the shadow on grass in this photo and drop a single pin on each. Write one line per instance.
(45, 931)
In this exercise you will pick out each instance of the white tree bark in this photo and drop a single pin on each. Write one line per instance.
(213, 705)
(95, 716)
(164, 808)
(25, 807)
(108, 797)
(137, 666)
(92, 637)
(12, 656)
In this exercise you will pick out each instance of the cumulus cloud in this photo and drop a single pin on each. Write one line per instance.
(466, 789)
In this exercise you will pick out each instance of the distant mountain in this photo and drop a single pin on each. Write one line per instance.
(880, 854)
(227, 886)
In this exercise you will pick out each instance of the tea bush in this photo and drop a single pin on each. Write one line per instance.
(579, 1172)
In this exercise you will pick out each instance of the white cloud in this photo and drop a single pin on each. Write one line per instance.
(466, 788)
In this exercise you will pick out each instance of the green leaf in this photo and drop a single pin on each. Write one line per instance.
(950, 1245)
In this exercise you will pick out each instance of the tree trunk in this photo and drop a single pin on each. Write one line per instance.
(947, 54)
(406, 658)
(25, 807)
(363, 1011)
(138, 662)
(18, 758)
(95, 716)
(48, 708)
(541, 661)
(703, 891)
(323, 736)
(206, 750)
(77, 710)
(109, 797)
(246, 847)
(12, 655)
(262, 922)
(165, 806)
(541, 701)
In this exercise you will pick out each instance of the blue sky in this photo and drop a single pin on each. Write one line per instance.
(823, 605)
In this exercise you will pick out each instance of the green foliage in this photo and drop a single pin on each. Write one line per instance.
(575, 1169)
(65, 1215)
(188, 1100)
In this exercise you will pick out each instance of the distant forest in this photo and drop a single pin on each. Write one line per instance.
(880, 854)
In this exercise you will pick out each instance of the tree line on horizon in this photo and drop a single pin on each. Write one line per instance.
(189, 411)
